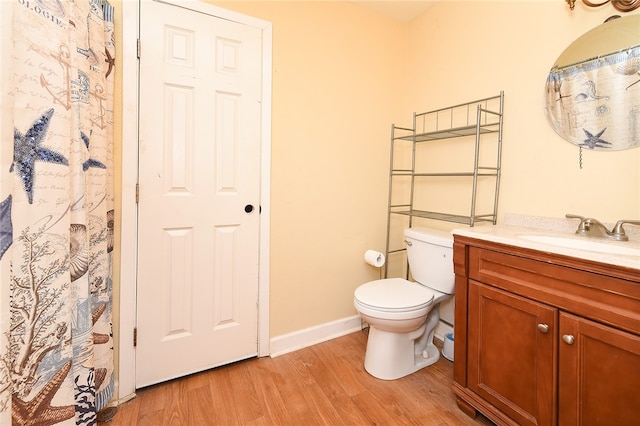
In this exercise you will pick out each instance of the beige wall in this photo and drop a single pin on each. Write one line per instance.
(342, 74)
(337, 81)
(470, 50)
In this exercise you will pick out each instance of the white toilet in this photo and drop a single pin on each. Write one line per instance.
(402, 315)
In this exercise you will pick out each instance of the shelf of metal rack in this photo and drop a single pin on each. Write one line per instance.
(473, 121)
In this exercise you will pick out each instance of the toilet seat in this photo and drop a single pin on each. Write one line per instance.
(394, 295)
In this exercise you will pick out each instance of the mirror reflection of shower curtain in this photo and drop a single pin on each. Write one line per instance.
(56, 227)
(596, 104)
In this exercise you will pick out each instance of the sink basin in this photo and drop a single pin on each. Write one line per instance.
(583, 244)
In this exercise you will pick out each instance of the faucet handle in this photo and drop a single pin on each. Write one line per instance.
(618, 230)
(583, 227)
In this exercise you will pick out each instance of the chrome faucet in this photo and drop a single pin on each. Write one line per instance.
(593, 227)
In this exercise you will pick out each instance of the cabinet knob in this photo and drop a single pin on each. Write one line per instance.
(568, 339)
(543, 328)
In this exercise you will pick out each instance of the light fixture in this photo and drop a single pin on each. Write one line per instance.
(621, 5)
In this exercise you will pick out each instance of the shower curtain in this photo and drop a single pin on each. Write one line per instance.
(56, 223)
(595, 104)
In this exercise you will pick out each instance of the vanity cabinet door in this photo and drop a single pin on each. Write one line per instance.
(599, 374)
(512, 354)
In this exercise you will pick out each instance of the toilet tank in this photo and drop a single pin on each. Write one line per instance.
(430, 255)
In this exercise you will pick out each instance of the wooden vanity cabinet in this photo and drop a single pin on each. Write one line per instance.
(600, 374)
(511, 363)
(545, 339)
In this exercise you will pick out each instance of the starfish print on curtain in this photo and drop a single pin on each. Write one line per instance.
(6, 228)
(28, 149)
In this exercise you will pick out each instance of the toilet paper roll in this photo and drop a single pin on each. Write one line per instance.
(374, 258)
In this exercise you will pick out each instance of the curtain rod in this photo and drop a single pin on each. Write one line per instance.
(584, 61)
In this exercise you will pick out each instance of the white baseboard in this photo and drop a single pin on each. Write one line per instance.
(310, 336)
(116, 402)
(321, 333)
(126, 398)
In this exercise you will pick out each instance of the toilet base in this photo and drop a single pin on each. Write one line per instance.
(390, 356)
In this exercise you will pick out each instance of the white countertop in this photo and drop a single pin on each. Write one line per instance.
(516, 227)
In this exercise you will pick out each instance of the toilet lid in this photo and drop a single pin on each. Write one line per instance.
(394, 294)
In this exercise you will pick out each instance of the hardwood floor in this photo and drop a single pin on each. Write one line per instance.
(325, 384)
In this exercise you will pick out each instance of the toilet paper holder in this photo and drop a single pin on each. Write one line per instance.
(374, 258)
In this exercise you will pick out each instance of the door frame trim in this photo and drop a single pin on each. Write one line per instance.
(129, 211)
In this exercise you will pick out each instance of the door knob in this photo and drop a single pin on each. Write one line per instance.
(543, 328)
(568, 339)
(248, 208)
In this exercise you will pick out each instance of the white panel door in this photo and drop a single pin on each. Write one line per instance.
(199, 177)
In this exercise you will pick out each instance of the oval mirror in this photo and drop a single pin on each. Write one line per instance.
(593, 89)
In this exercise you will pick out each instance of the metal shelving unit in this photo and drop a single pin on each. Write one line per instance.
(477, 122)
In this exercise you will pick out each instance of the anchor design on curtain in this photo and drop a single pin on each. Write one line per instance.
(56, 224)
